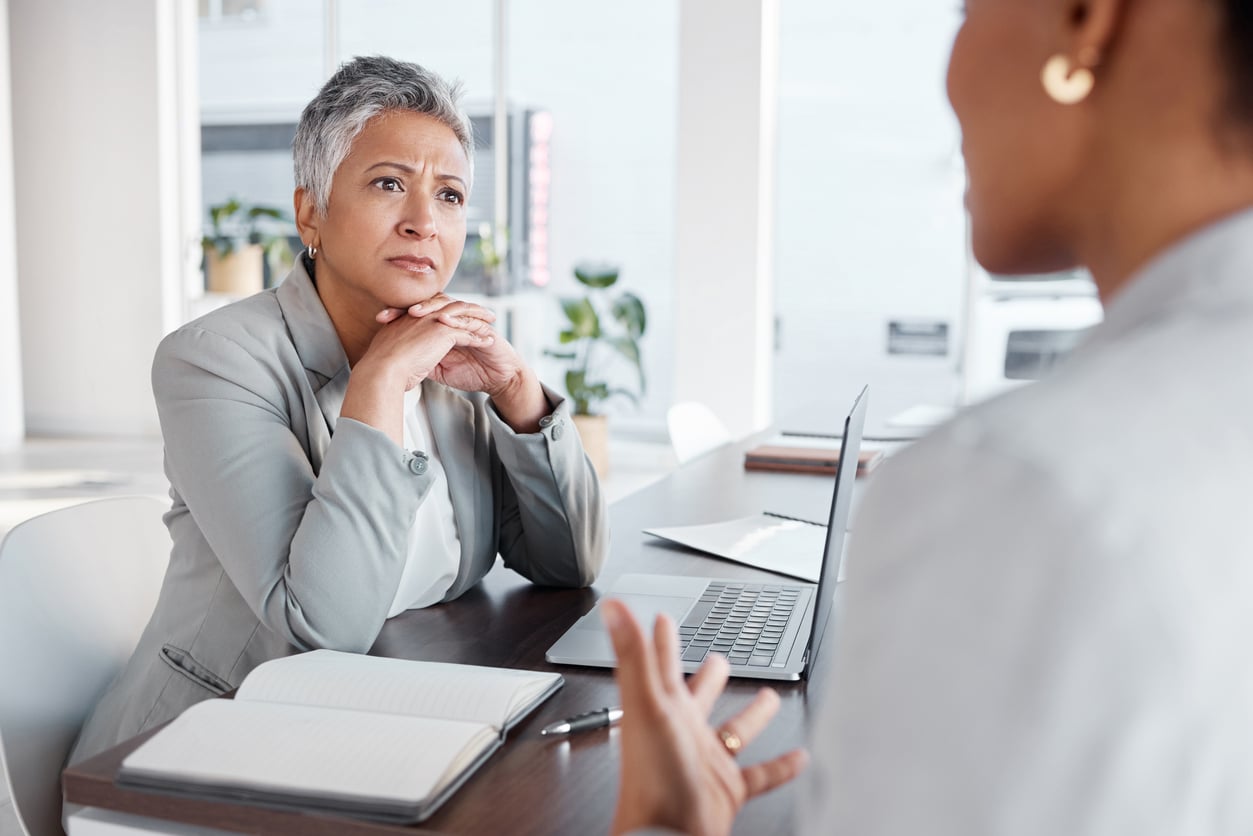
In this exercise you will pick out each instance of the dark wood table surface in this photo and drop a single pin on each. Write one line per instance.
(534, 784)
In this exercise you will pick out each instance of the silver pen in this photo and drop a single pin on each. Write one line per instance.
(597, 719)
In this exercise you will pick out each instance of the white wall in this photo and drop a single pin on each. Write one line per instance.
(100, 226)
(728, 81)
(12, 428)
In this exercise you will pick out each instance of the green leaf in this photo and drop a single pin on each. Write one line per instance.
(630, 349)
(596, 275)
(627, 347)
(266, 212)
(560, 355)
(583, 319)
(629, 310)
(222, 211)
(566, 337)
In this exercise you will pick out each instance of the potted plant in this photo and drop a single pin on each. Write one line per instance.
(598, 330)
(242, 239)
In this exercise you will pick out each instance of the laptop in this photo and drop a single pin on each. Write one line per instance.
(766, 630)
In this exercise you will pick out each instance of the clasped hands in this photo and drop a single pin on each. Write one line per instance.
(451, 342)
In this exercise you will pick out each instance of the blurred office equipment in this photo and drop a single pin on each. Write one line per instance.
(77, 586)
(1019, 328)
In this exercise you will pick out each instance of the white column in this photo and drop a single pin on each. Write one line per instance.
(728, 78)
(11, 424)
(103, 236)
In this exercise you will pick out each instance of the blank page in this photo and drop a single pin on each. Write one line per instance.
(302, 751)
(396, 686)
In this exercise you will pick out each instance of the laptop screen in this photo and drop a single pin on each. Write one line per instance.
(837, 525)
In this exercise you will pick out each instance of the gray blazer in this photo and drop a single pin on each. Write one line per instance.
(290, 525)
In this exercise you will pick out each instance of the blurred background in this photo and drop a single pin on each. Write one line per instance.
(778, 182)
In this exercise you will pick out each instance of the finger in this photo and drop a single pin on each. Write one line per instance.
(763, 777)
(465, 310)
(389, 315)
(709, 681)
(467, 323)
(432, 305)
(469, 339)
(666, 640)
(636, 668)
(749, 722)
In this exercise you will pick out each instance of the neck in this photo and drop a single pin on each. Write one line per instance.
(1155, 197)
(1163, 166)
(352, 316)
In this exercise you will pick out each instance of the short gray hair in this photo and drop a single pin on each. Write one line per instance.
(360, 90)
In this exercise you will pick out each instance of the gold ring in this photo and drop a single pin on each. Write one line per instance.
(731, 741)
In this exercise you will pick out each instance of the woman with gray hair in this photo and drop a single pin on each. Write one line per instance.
(354, 443)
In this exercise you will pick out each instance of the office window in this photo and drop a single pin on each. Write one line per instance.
(591, 95)
(871, 237)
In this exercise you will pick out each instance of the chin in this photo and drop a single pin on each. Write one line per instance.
(1005, 254)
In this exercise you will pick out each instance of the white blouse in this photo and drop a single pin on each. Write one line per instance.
(434, 546)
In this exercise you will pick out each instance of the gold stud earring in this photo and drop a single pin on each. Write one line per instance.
(1065, 83)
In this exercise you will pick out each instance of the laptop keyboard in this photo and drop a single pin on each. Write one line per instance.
(742, 621)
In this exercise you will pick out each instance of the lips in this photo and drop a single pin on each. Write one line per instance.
(413, 263)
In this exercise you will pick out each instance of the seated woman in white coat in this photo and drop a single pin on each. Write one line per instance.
(354, 443)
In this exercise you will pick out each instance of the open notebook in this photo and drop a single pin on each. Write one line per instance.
(341, 732)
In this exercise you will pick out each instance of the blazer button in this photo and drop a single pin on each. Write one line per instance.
(546, 421)
(557, 430)
(419, 464)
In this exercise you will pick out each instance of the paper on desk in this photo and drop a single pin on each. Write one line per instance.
(788, 547)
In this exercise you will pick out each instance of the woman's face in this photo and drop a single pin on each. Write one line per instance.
(1022, 150)
(395, 223)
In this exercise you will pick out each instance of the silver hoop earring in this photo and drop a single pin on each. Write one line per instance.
(313, 252)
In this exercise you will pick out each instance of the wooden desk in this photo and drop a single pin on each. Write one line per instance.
(536, 785)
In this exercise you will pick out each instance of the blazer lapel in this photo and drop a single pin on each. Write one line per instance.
(316, 341)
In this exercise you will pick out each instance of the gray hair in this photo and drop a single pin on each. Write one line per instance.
(360, 90)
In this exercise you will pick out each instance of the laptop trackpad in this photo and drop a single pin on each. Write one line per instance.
(646, 608)
(587, 643)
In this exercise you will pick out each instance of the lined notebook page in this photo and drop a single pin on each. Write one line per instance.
(352, 755)
(395, 686)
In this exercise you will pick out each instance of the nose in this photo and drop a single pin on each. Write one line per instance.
(419, 219)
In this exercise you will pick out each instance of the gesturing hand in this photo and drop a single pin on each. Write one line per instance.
(677, 771)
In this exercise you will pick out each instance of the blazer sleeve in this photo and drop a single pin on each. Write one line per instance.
(553, 524)
(317, 556)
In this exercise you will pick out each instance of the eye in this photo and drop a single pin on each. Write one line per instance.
(388, 184)
(450, 195)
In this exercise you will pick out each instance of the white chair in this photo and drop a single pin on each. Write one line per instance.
(77, 586)
(694, 429)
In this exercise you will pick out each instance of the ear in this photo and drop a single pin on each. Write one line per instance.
(1090, 29)
(307, 217)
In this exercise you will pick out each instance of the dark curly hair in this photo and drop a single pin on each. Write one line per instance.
(1237, 46)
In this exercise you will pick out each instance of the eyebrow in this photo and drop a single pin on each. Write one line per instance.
(408, 169)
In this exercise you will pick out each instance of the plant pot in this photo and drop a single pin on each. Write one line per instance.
(594, 431)
(241, 273)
